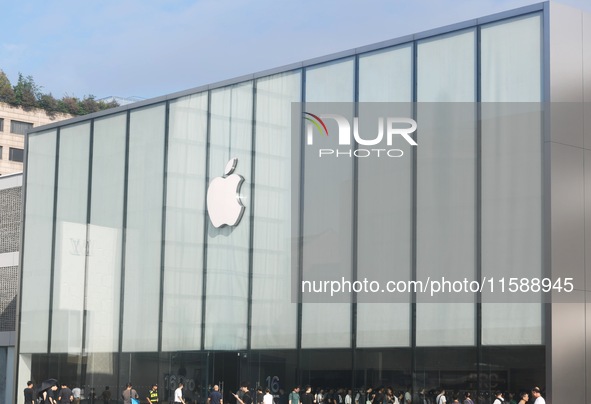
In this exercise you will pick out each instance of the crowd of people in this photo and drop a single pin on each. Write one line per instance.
(383, 395)
(52, 392)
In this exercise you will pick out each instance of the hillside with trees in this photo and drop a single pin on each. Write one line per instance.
(27, 95)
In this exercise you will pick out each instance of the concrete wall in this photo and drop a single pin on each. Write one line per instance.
(568, 163)
(10, 218)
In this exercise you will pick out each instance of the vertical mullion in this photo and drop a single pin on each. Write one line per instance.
(413, 258)
(163, 230)
(300, 210)
(252, 196)
(87, 250)
(355, 227)
(53, 241)
(479, 353)
(205, 222)
(123, 248)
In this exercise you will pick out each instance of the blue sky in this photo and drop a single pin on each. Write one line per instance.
(148, 48)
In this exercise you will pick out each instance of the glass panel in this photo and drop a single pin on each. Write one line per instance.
(454, 369)
(513, 370)
(38, 228)
(329, 190)
(386, 76)
(271, 289)
(511, 172)
(274, 370)
(105, 239)
(384, 219)
(141, 369)
(384, 367)
(511, 54)
(228, 247)
(143, 230)
(446, 190)
(446, 68)
(185, 208)
(70, 239)
(100, 376)
(326, 368)
(191, 368)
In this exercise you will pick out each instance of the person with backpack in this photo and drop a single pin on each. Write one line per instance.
(498, 398)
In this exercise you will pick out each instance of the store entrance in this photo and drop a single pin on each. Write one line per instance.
(224, 370)
(199, 372)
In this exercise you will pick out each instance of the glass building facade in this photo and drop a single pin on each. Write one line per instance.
(124, 277)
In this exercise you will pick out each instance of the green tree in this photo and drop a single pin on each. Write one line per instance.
(28, 95)
(49, 104)
(69, 105)
(6, 91)
(88, 105)
(26, 92)
(107, 105)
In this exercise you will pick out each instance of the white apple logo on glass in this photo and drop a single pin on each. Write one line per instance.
(223, 197)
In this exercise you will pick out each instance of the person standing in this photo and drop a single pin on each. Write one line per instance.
(178, 394)
(50, 395)
(468, 398)
(407, 396)
(308, 397)
(246, 398)
(498, 398)
(348, 397)
(320, 397)
(524, 398)
(294, 396)
(441, 398)
(511, 398)
(153, 395)
(281, 397)
(76, 392)
(128, 394)
(65, 395)
(268, 397)
(259, 395)
(537, 394)
(215, 397)
(106, 395)
(29, 393)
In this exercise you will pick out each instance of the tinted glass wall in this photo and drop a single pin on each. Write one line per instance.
(126, 279)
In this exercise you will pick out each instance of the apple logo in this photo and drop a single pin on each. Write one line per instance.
(223, 197)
